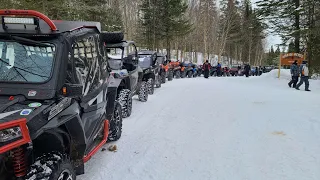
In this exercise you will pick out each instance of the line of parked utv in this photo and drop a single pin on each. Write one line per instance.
(65, 87)
(238, 71)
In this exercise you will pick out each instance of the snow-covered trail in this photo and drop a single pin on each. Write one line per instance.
(229, 128)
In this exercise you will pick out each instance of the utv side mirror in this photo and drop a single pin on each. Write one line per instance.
(72, 90)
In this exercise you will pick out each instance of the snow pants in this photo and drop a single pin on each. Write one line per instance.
(305, 80)
(206, 73)
(218, 72)
(294, 81)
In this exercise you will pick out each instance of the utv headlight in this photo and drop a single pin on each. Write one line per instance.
(10, 134)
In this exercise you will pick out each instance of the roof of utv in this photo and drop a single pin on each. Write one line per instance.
(117, 45)
(42, 24)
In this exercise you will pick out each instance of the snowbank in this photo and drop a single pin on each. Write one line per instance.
(284, 74)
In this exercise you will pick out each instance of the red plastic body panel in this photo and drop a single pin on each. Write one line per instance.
(95, 150)
(32, 13)
(22, 123)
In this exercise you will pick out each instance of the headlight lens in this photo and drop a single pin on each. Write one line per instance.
(10, 134)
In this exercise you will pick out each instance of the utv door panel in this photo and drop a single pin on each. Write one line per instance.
(87, 62)
(134, 75)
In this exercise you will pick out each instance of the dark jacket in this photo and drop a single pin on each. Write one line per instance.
(206, 66)
(247, 67)
(294, 69)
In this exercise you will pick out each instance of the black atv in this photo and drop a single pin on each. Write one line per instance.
(213, 71)
(189, 70)
(126, 73)
(56, 107)
(151, 69)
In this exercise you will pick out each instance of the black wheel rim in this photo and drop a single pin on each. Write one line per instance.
(65, 175)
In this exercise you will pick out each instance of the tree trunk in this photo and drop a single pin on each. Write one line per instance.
(168, 49)
(297, 27)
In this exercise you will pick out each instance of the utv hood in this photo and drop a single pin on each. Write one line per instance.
(14, 108)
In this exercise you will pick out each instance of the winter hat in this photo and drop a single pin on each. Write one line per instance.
(304, 62)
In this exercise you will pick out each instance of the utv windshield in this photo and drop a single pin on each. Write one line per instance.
(115, 58)
(25, 63)
(145, 61)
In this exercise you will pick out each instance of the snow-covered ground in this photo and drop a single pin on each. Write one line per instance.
(229, 128)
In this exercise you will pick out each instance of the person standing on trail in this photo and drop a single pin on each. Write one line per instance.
(247, 69)
(206, 68)
(304, 71)
(219, 70)
(294, 69)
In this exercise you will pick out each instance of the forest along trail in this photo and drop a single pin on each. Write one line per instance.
(219, 128)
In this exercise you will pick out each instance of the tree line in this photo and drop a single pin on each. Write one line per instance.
(226, 28)
(298, 24)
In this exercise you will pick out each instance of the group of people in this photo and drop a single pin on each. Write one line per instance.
(206, 69)
(301, 71)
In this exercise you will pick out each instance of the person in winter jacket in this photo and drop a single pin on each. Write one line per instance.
(219, 70)
(257, 71)
(294, 69)
(206, 69)
(247, 69)
(304, 72)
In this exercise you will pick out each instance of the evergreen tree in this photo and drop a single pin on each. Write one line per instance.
(278, 51)
(284, 17)
(291, 47)
(175, 23)
(164, 19)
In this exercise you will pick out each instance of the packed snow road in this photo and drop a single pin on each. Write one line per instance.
(229, 128)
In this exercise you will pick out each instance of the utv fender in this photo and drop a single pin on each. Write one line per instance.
(66, 115)
(111, 96)
(70, 119)
(114, 84)
(148, 76)
(55, 139)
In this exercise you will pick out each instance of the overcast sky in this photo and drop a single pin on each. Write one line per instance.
(272, 39)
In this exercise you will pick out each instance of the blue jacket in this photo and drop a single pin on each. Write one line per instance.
(295, 70)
